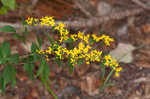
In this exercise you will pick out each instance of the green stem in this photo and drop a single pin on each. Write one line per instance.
(106, 81)
(103, 71)
(49, 89)
(108, 77)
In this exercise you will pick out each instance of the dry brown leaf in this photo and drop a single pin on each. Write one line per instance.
(90, 84)
(123, 53)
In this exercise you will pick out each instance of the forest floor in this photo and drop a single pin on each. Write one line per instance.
(127, 21)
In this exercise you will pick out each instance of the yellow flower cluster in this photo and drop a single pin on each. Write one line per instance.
(45, 53)
(59, 52)
(112, 63)
(49, 21)
(63, 32)
(80, 36)
(82, 51)
(106, 39)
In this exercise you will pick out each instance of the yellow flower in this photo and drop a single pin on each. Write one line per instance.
(94, 36)
(119, 69)
(80, 35)
(73, 36)
(117, 74)
(86, 38)
(87, 62)
(29, 20)
(107, 57)
(81, 46)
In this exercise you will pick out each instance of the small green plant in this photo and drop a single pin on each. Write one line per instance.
(76, 55)
(7, 5)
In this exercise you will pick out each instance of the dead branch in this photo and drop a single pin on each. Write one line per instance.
(91, 22)
(87, 13)
(138, 2)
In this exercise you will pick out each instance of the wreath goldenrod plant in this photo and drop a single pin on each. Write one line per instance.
(83, 52)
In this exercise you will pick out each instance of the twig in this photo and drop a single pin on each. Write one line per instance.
(138, 2)
(142, 79)
(83, 10)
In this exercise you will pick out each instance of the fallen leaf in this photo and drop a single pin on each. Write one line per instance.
(90, 84)
(123, 53)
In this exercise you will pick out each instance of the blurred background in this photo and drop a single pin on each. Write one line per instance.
(127, 21)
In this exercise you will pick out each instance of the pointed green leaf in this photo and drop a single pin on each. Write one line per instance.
(3, 60)
(69, 40)
(43, 70)
(8, 28)
(9, 3)
(14, 58)
(36, 57)
(2, 87)
(34, 47)
(29, 68)
(70, 66)
(80, 61)
(9, 74)
(109, 84)
(50, 40)
(103, 70)
(39, 40)
(3, 10)
(5, 49)
(17, 36)
(91, 41)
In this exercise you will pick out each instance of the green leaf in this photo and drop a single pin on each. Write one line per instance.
(36, 57)
(80, 61)
(34, 47)
(44, 70)
(8, 28)
(14, 58)
(1, 53)
(5, 49)
(3, 60)
(2, 87)
(50, 40)
(70, 66)
(69, 40)
(9, 74)
(41, 68)
(29, 67)
(9, 3)
(109, 84)
(103, 70)
(19, 37)
(3, 10)
(39, 40)
(91, 41)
